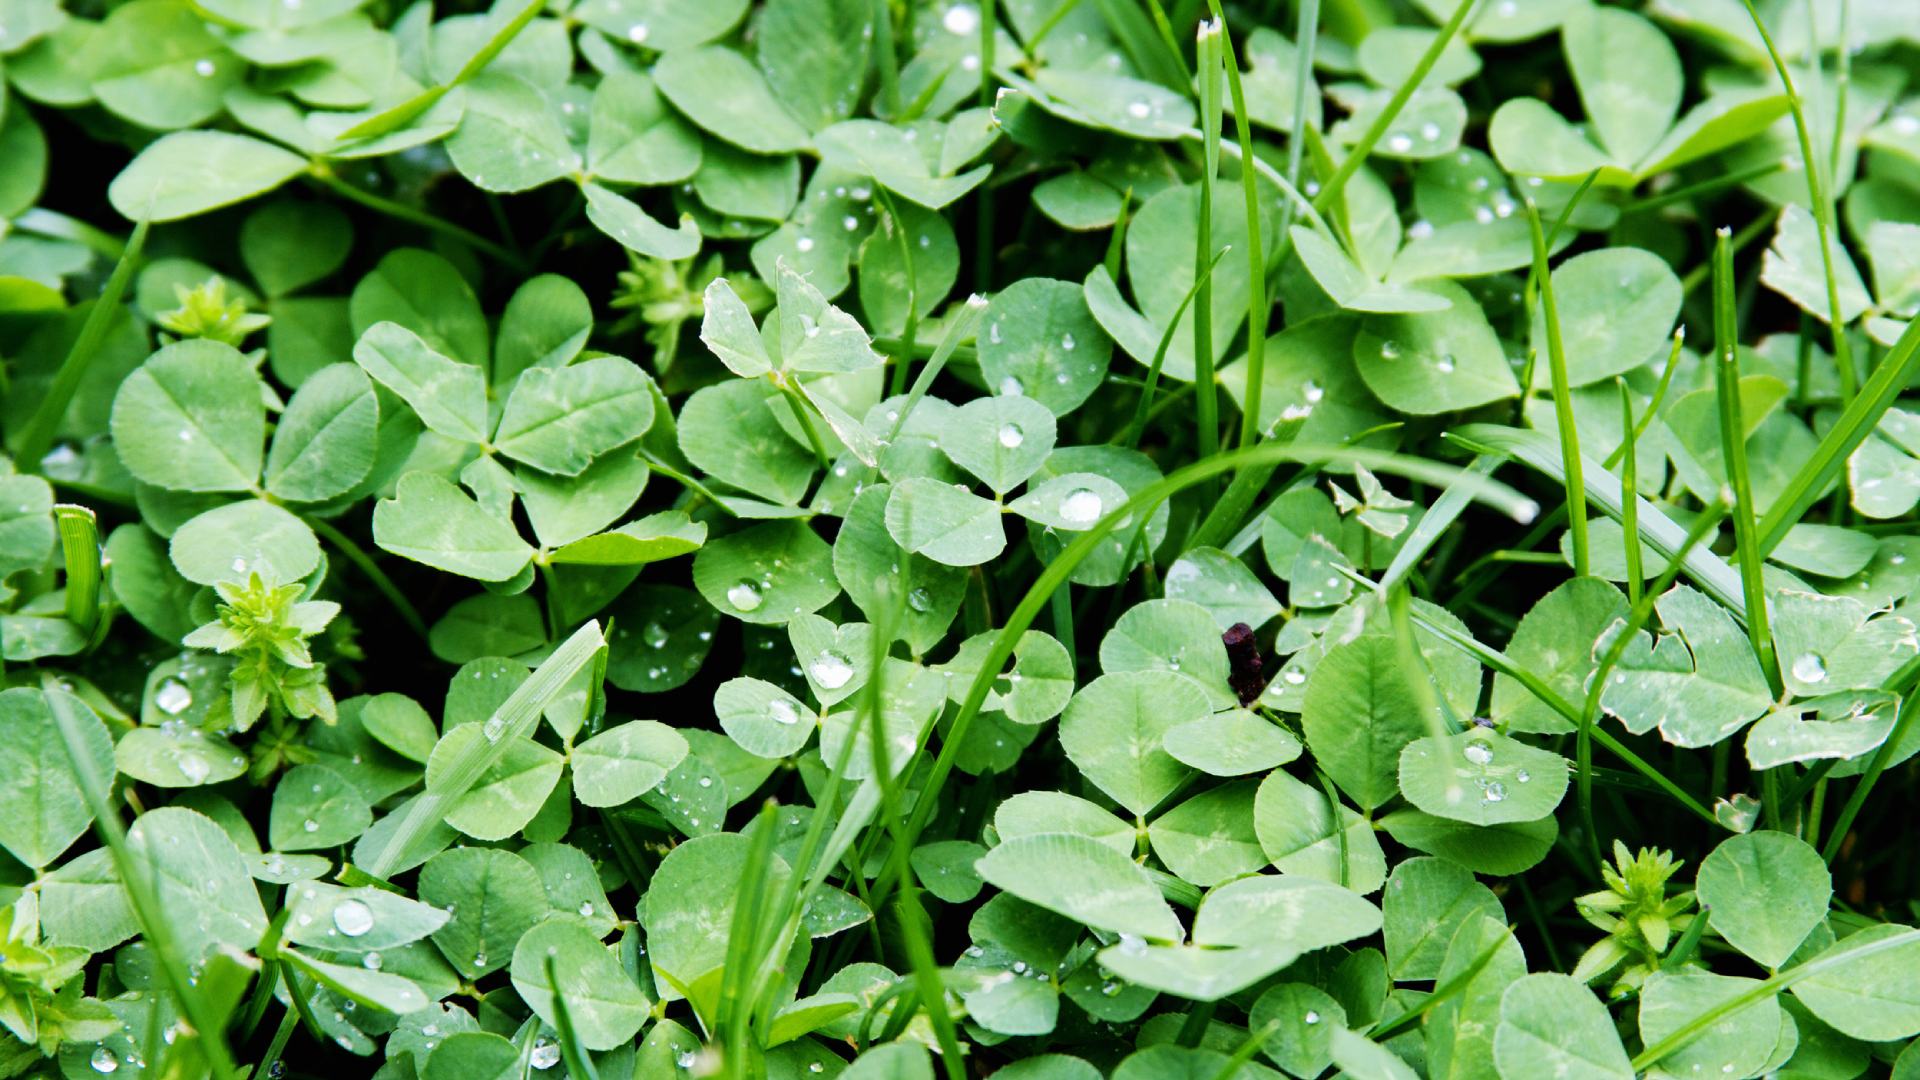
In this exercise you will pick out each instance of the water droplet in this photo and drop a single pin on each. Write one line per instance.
(815, 1067)
(493, 728)
(310, 825)
(1019, 967)
(655, 635)
(1495, 792)
(545, 1055)
(352, 918)
(1313, 392)
(1809, 668)
(1389, 350)
(194, 768)
(204, 68)
(1011, 387)
(1479, 753)
(1400, 142)
(173, 697)
(1294, 677)
(961, 19)
(1311, 1018)
(1444, 364)
(104, 1060)
(744, 595)
(1080, 507)
(1067, 342)
(1132, 945)
(830, 670)
(686, 1058)
(920, 600)
(850, 223)
(804, 244)
(1139, 110)
(1523, 776)
(781, 712)
(1483, 215)
(1011, 436)
(1430, 131)
(637, 33)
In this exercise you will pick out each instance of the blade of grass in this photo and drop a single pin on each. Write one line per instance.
(1894, 374)
(729, 1026)
(1637, 616)
(1630, 493)
(1357, 154)
(1387, 1029)
(37, 437)
(1130, 436)
(1833, 957)
(579, 1065)
(514, 719)
(1435, 521)
(1257, 305)
(1305, 37)
(1207, 42)
(80, 554)
(1538, 452)
(960, 327)
(1568, 432)
(984, 202)
(1733, 442)
(1534, 685)
(134, 877)
(1819, 194)
(1868, 779)
(399, 116)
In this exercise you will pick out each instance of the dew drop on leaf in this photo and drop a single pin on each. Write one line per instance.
(830, 670)
(1479, 753)
(104, 1060)
(1081, 507)
(352, 918)
(545, 1055)
(744, 595)
(782, 713)
(1809, 668)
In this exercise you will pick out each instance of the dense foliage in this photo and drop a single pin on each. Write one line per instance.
(648, 539)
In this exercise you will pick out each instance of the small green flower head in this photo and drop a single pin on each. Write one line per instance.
(266, 629)
(1640, 919)
(206, 312)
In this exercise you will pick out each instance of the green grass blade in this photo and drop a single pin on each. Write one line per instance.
(1568, 432)
(1819, 193)
(1534, 685)
(37, 437)
(1630, 492)
(579, 1065)
(1205, 386)
(1834, 956)
(1896, 372)
(1130, 437)
(1875, 769)
(1733, 442)
(1541, 453)
(514, 719)
(1257, 304)
(134, 876)
(960, 327)
(1435, 521)
(1357, 154)
(80, 553)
